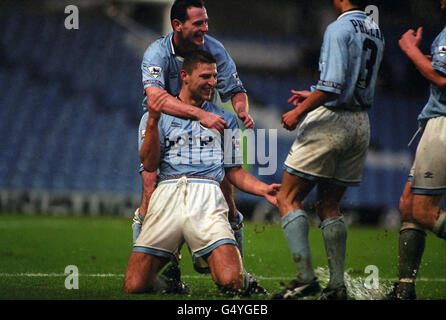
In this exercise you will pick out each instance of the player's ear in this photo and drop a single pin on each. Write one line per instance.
(176, 25)
(183, 74)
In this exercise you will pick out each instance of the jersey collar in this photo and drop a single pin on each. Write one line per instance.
(349, 12)
(202, 106)
(172, 48)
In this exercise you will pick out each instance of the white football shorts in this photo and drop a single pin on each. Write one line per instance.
(191, 210)
(428, 173)
(331, 146)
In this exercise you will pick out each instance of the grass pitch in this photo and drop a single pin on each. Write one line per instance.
(35, 250)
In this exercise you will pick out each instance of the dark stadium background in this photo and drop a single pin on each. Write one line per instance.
(70, 100)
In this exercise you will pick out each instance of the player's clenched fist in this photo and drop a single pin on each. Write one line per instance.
(291, 119)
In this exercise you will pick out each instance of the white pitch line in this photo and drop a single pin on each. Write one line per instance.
(113, 275)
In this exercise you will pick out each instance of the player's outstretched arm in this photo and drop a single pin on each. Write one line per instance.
(241, 107)
(175, 107)
(309, 103)
(246, 182)
(409, 44)
(149, 153)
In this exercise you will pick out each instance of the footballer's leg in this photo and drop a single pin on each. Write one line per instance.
(295, 227)
(226, 268)
(172, 272)
(418, 212)
(236, 221)
(334, 234)
(142, 270)
(411, 244)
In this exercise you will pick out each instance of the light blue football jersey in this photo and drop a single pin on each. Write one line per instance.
(436, 105)
(350, 58)
(161, 67)
(188, 148)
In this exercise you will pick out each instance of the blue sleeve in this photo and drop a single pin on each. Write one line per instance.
(228, 83)
(333, 62)
(232, 142)
(154, 67)
(439, 53)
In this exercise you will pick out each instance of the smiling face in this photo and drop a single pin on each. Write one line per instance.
(203, 80)
(200, 83)
(191, 32)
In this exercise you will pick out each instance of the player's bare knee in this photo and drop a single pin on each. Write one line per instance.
(327, 211)
(132, 286)
(287, 200)
(405, 208)
(425, 213)
(128, 287)
(230, 280)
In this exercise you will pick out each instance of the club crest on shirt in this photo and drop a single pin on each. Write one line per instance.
(236, 77)
(155, 71)
(442, 50)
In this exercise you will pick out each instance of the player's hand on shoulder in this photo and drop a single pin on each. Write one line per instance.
(213, 121)
(298, 96)
(248, 121)
(155, 103)
(410, 39)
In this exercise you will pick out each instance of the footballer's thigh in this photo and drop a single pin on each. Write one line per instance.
(226, 266)
(142, 270)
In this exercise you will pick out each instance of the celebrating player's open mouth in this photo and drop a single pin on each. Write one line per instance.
(199, 39)
(206, 92)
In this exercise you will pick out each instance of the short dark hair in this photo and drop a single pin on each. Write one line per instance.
(179, 8)
(194, 57)
(360, 3)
